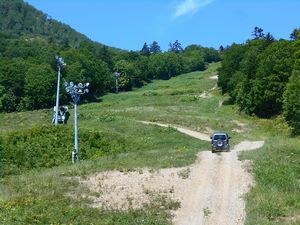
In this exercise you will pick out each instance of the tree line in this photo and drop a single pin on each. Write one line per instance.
(262, 76)
(30, 40)
(28, 71)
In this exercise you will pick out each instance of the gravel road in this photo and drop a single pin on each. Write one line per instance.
(217, 185)
(211, 195)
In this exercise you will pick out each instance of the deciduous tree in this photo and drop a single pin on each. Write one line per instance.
(291, 106)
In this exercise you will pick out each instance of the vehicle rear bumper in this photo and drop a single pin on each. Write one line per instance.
(225, 148)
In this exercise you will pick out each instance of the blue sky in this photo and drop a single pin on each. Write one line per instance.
(127, 24)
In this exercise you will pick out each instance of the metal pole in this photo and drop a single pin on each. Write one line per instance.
(57, 96)
(117, 85)
(76, 91)
(76, 131)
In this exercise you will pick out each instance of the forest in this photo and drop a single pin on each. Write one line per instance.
(262, 76)
(30, 40)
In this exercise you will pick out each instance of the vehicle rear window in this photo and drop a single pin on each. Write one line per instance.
(218, 137)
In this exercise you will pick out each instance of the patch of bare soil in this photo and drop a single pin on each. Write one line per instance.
(119, 190)
(291, 219)
(248, 145)
(220, 103)
(210, 191)
(214, 77)
(242, 127)
(209, 130)
(213, 88)
(239, 123)
(205, 95)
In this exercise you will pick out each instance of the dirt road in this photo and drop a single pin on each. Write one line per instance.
(217, 185)
(201, 136)
(211, 195)
(215, 194)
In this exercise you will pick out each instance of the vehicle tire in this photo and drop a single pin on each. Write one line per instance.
(220, 143)
(228, 149)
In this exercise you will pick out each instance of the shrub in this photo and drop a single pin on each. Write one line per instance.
(291, 105)
(50, 146)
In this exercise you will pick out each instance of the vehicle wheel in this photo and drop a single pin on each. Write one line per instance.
(219, 143)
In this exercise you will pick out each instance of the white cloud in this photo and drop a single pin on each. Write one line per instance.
(190, 7)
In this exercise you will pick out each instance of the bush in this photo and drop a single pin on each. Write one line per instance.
(50, 146)
(291, 104)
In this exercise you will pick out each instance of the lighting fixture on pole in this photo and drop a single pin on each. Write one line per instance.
(76, 91)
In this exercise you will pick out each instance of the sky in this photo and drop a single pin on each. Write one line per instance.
(128, 24)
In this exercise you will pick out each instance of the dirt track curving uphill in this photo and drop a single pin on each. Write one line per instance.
(218, 182)
(215, 193)
(201, 136)
(211, 195)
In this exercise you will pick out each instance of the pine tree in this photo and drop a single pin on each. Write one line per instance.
(175, 47)
(145, 50)
(258, 33)
(221, 48)
(155, 48)
(295, 35)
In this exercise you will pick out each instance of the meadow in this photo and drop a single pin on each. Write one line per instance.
(37, 178)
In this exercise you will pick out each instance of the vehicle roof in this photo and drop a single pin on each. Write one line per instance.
(220, 133)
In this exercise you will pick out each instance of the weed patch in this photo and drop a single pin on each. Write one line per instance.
(50, 146)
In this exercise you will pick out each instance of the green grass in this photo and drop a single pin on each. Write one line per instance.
(38, 177)
(275, 199)
(49, 146)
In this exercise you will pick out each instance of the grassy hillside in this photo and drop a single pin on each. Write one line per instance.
(30, 40)
(38, 185)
